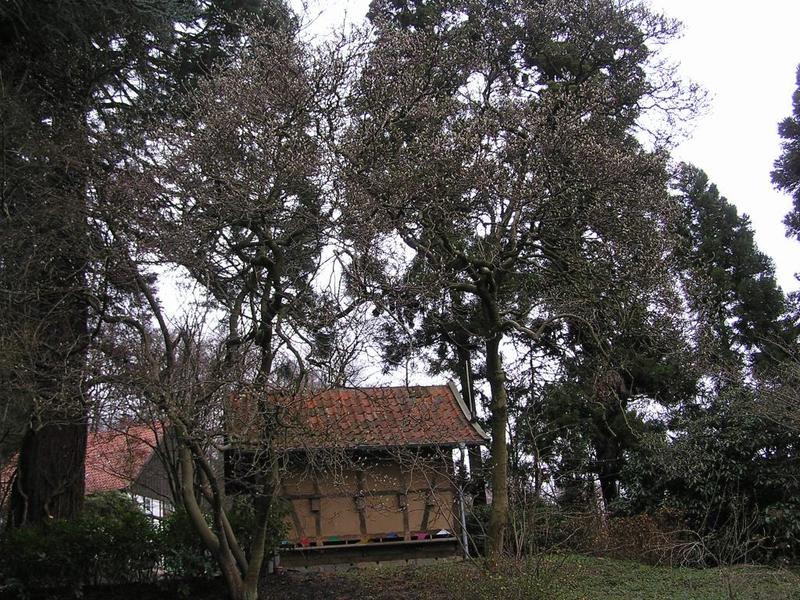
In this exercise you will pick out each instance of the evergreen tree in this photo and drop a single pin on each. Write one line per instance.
(650, 355)
(642, 359)
(730, 462)
(786, 175)
(77, 80)
(729, 283)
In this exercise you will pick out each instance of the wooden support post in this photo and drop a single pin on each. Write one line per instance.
(430, 500)
(317, 513)
(298, 526)
(361, 505)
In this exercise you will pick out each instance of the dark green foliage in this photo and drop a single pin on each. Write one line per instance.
(183, 552)
(111, 541)
(730, 284)
(584, 420)
(407, 14)
(786, 175)
(728, 464)
(589, 406)
(731, 472)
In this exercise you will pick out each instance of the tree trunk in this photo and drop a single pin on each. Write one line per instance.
(53, 313)
(251, 593)
(233, 579)
(50, 473)
(498, 517)
(607, 458)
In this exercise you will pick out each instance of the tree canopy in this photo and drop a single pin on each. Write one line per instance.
(786, 175)
(502, 155)
(466, 183)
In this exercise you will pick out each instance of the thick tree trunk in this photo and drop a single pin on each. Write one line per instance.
(53, 315)
(250, 593)
(250, 588)
(607, 456)
(50, 473)
(241, 573)
(498, 517)
(232, 577)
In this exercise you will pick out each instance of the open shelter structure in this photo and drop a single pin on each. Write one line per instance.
(370, 473)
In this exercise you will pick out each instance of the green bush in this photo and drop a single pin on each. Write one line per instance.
(731, 474)
(111, 542)
(127, 537)
(184, 554)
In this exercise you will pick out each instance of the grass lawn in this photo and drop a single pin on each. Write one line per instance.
(564, 578)
(568, 577)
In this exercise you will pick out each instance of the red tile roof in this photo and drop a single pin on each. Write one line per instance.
(378, 417)
(114, 458)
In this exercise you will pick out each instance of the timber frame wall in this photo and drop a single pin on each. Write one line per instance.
(403, 497)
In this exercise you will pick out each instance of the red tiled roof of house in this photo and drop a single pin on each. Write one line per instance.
(114, 458)
(377, 417)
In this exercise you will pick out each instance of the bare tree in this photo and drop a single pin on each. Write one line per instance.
(237, 195)
(180, 380)
(495, 144)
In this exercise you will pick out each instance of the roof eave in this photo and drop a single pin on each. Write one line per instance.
(467, 414)
(449, 444)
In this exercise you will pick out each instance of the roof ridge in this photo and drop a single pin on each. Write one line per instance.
(382, 387)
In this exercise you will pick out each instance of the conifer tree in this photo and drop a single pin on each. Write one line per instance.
(729, 283)
(78, 81)
(786, 175)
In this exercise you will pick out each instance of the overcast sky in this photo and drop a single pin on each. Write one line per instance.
(745, 55)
